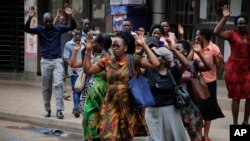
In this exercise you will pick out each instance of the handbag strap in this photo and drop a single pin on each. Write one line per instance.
(172, 78)
(130, 66)
(194, 71)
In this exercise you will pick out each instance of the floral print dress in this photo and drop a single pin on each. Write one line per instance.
(118, 118)
(93, 102)
(191, 116)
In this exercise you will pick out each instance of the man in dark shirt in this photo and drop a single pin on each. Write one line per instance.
(51, 57)
(61, 18)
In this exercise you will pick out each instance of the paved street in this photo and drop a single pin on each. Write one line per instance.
(15, 131)
(23, 102)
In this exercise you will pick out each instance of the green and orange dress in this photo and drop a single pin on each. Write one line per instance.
(118, 118)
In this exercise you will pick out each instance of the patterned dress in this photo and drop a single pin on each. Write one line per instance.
(118, 119)
(93, 104)
(191, 116)
(237, 70)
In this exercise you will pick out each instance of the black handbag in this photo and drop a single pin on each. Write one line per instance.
(181, 97)
(139, 88)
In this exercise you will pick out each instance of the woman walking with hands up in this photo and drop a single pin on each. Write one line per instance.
(118, 119)
(237, 73)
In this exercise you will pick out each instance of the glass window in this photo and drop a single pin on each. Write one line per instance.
(53, 5)
(98, 9)
(78, 8)
(185, 16)
(214, 13)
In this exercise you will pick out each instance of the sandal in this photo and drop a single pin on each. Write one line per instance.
(207, 139)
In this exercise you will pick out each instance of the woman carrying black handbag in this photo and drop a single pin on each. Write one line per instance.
(164, 119)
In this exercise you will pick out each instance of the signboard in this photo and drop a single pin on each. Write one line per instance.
(127, 2)
(30, 39)
(117, 10)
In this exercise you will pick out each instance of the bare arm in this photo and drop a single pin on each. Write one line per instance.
(88, 67)
(183, 59)
(190, 55)
(181, 32)
(27, 24)
(73, 62)
(69, 12)
(220, 26)
(204, 65)
(152, 61)
(58, 14)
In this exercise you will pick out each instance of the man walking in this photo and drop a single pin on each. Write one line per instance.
(51, 57)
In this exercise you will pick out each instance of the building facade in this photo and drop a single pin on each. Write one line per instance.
(19, 51)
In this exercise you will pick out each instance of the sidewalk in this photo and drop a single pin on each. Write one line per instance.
(22, 101)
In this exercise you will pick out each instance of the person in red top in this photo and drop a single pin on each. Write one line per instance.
(237, 71)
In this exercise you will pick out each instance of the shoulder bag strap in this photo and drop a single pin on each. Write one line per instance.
(130, 65)
(172, 78)
(193, 69)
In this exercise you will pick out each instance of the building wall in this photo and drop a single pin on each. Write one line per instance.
(190, 13)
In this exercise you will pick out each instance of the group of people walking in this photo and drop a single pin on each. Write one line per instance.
(107, 109)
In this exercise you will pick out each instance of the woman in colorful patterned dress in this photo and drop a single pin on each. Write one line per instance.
(237, 72)
(95, 93)
(119, 121)
(191, 116)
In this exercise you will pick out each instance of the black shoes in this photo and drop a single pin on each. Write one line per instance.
(47, 113)
(59, 114)
(76, 113)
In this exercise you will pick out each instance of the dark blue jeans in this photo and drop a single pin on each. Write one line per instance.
(76, 95)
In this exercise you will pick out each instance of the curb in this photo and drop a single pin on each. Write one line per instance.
(36, 84)
(43, 122)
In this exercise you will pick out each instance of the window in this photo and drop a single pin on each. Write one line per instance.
(98, 9)
(185, 16)
(213, 11)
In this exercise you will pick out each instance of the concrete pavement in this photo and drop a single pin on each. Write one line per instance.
(22, 101)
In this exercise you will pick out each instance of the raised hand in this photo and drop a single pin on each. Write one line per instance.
(77, 46)
(226, 10)
(196, 47)
(59, 12)
(88, 42)
(67, 9)
(180, 29)
(170, 45)
(139, 38)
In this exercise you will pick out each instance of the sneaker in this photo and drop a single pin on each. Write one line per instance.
(59, 114)
(47, 113)
(76, 113)
(66, 96)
